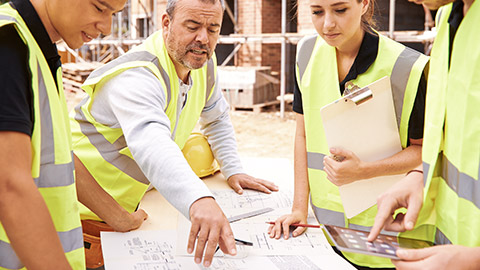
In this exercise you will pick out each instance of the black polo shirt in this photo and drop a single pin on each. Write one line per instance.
(454, 20)
(366, 56)
(16, 96)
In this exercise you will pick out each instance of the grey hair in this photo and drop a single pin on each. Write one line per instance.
(171, 4)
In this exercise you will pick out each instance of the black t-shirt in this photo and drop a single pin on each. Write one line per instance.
(456, 17)
(16, 96)
(366, 56)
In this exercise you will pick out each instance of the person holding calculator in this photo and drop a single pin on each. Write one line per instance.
(348, 50)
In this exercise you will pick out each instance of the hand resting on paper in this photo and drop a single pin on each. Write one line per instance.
(282, 225)
(240, 181)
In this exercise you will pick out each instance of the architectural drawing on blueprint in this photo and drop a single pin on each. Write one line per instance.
(141, 250)
(312, 242)
(254, 230)
(266, 262)
(229, 199)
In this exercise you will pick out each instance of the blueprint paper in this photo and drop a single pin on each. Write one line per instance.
(141, 250)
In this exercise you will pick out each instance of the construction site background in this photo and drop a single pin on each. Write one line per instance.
(256, 58)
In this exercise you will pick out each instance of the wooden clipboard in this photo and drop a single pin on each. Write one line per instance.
(364, 122)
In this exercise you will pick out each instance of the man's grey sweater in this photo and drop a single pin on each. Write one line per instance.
(135, 102)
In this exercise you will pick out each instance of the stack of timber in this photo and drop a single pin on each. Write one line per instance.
(74, 74)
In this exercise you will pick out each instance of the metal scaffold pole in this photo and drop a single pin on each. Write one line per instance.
(391, 20)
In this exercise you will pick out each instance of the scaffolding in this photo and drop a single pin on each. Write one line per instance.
(124, 38)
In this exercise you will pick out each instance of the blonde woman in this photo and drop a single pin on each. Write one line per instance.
(348, 49)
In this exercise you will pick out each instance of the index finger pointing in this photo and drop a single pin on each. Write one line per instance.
(227, 242)
(381, 218)
(212, 242)
(413, 210)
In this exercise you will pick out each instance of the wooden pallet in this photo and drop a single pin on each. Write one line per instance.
(260, 107)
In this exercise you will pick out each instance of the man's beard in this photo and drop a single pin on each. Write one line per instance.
(181, 56)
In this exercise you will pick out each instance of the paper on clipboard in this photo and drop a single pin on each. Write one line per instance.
(365, 124)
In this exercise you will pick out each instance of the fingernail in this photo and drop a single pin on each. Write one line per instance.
(401, 252)
(189, 250)
(198, 260)
(410, 225)
(207, 264)
(233, 251)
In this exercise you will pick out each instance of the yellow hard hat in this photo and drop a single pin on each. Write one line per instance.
(199, 156)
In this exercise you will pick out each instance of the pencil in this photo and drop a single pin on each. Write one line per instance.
(298, 225)
(238, 242)
(243, 242)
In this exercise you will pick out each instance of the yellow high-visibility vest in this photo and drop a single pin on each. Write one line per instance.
(451, 145)
(103, 149)
(317, 74)
(52, 164)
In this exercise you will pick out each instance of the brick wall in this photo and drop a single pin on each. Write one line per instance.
(161, 5)
(250, 22)
(271, 23)
(408, 16)
(304, 18)
(256, 17)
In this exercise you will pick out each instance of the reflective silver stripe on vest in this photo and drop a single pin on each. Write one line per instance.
(329, 217)
(166, 80)
(426, 169)
(55, 175)
(439, 15)
(8, 257)
(441, 239)
(51, 174)
(210, 78)
(7, 18)
(47, 140)
(315, 160)
(399, 78)
(305, 54)
(71, 240)
(110, 152)
(136, 56)
(463, 185)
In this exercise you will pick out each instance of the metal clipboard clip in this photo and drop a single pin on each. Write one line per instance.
(356, 94)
